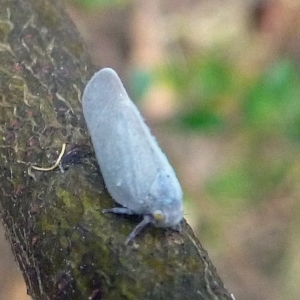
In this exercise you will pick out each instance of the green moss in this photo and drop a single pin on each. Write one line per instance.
(5, 28)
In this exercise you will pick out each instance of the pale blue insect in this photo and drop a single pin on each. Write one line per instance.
(136, 172)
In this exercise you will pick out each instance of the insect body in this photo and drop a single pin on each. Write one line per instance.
(136, 172)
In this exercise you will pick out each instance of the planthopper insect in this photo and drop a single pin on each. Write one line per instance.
(136, 172)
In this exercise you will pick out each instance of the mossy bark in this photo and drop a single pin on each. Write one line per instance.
(65, 247)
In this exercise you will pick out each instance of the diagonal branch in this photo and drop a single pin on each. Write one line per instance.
(65, 247)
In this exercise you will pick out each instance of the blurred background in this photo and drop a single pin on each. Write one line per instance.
(218, 82)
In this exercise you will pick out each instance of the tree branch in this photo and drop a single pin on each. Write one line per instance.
(65, 247)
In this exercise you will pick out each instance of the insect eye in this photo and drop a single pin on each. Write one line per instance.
(158, 215)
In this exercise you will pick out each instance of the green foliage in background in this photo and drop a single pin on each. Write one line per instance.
(259, 115)
(273, 103)
(140, 81)
(205, 89)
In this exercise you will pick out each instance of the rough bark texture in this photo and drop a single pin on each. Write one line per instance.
(65, 246)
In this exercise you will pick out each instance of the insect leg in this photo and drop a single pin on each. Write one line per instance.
(147, 220)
